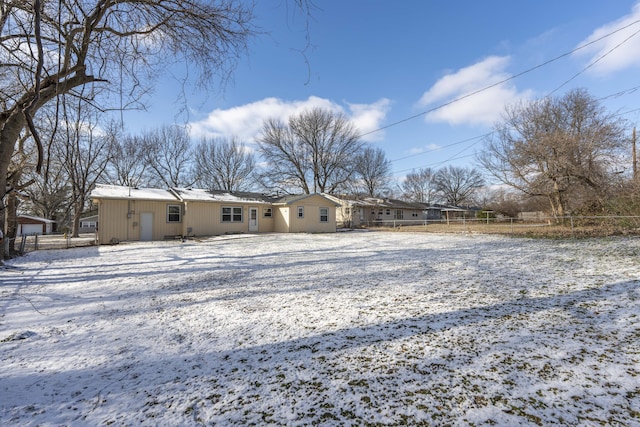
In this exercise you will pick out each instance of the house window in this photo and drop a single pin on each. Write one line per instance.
(231, 214)
(388, 212)
(300, 211)
(324, 214)
(174, 213)
(88, 224)
(414, 214)
(267, 213)
(399, 214)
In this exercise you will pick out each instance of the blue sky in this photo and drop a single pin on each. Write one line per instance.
(385, 64)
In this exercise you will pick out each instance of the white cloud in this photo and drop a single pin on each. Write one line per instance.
(424, 149)
(245, 121)
(482, 108)
(619, 53)
(369, 117)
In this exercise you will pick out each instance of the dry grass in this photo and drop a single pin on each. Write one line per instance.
(548, 231)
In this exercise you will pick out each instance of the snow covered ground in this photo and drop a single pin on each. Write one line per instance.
(359, 328)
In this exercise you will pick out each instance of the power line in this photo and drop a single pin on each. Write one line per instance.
(595, 62)
(438, 107)
(440, 148)
(481, 137)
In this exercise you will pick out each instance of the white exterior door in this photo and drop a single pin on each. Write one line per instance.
(146, 226)
(253, 219)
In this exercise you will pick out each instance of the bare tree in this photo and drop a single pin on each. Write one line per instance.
(52, 48)
(419, 186)
(314, 152)
(373, 170)
(224, 164)
(18, 179)
(565, 149)
(85, 150)
(457, 185)
(50, 193)
(169, 157)
(127, 165)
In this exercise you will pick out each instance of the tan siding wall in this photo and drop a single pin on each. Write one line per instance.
(266, 224)
(310, 223)
(161, 227)
(114, 224)
(205, 219)
(281, 219)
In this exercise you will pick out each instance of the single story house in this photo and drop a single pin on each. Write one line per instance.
(29, 225)
(89, 224)
(354, 212)
(128, 213)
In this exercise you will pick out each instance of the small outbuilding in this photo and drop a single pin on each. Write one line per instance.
(31, 225)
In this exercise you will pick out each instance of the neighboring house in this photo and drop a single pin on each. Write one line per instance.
(369, 211)
(458, 213)
(89, 224)
(354, 212)
(29, 225)
(126, 213)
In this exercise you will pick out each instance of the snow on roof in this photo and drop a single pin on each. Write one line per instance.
(36, 218)
(198, 194)
(121, 192)
(292, 198)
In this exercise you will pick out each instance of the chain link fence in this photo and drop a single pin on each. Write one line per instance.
(34, 242)
(567, 226)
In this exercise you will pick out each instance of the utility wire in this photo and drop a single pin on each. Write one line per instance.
(594, 62)
(438, 107)
(480, 137)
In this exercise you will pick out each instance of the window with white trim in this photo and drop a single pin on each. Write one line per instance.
(174, 213)
(324, 214)
(267, 213)
(231, 214)
(399, 214)
(300, 211)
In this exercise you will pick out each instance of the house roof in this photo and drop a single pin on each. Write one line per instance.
(375, 202)
(294, 198)
(36, 218)
(89, 218)
(134, 193)
(197, 194)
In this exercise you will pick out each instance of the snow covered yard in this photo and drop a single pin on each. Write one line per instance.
(341, 329)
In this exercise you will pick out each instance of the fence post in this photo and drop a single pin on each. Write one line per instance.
(573, 236)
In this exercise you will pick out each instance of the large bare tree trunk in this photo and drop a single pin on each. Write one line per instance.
(10, 127)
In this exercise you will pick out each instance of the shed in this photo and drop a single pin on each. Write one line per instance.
(30, 225)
